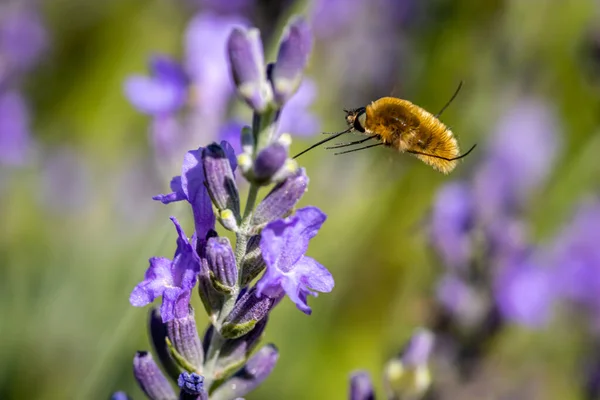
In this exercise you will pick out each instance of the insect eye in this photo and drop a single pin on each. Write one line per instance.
(359, 121)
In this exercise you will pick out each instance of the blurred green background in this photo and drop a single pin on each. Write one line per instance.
(73, 247)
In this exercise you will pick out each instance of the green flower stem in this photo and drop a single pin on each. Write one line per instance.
(264, 128)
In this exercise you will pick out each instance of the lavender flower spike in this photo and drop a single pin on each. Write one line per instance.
(283, 244)
(247, 379)
(294, 50)
(150, 378)
(361, 387)
(246, 58)
(173, 280)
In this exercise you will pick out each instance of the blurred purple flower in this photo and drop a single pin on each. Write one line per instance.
(206, 60)
(452, 219)
(519, 158)
(296, 118)
(166, 133)
(576, 256)
(294, 49)
(66, 180)
(224, 7)
(361, 386)
(418, 349)
(162, 93)
(23, 38)
(15, 141)
(525, 292)
(231, 132)
(283, 244)
(171, 279)
(461, 300)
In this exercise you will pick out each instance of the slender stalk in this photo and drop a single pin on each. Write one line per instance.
(263, 127)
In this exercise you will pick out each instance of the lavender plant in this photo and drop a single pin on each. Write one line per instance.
(271, 238)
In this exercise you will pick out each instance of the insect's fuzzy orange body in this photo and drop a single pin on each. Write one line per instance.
(405, 127)
(409, 128)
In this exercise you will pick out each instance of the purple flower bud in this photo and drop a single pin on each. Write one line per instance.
(235, 352)
(253, 263)
(192, 386)
(221, 262)
(228, 220)
(211, 298)
(120, 396)
(183, 334)
(269, 160)
(247, 312)
(257, 369)
(282, 199)
(219, 179)
(150, 378)
(408, 376)
(361, 387)
(419, 348)
(158, 336)
(294, 51)
(248, 68)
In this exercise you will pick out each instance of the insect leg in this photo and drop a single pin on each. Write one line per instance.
(339, 145)
(360, 148)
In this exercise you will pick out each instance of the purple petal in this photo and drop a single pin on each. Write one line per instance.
(158, 276)
(161, 94)
(151, 96)
(283, 242)
(192, 184)
(230, 153)
(314, 275)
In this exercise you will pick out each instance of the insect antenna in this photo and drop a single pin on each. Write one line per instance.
(334, 135)
(360, 148)
(444, 158)
(450, 101)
